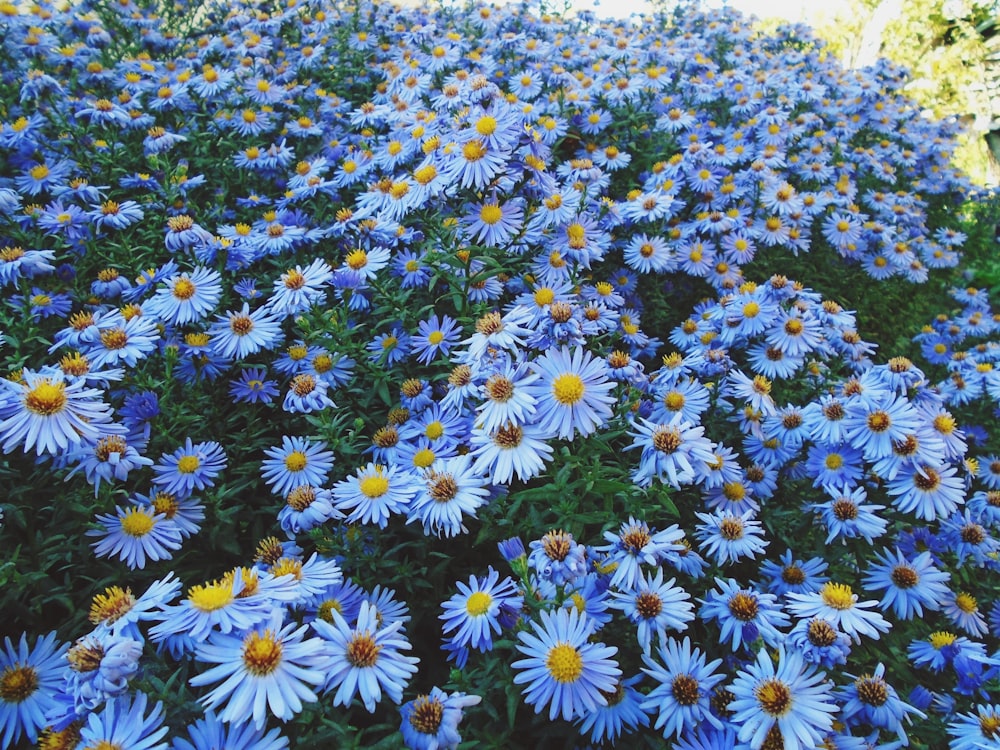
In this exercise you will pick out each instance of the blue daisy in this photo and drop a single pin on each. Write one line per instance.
(742, 614)
(622, 714)
(297, 462)
(366, 659)
(474, 612)
(870, 700)
(430, 721)
(655, 605)
(136, 534)
(268, 669)
(123, 723)
(29, 680)
(47, 412)
(375, 493)
(975, 730)
(564, 669)
(451, 491)
(189, 468)
(909, 585)
(238, 334)
(789, 701)
(209, 733)
(684, 681)
(573, 392)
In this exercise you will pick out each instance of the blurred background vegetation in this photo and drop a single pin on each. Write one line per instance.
(952, 51)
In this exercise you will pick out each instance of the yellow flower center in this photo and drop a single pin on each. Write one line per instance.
(211, 596)
(374, 486)
(941, 638)
(837, 595)
(490, 213)
(434, 430)
(478, 603)
(46, 398)
(111, 605)
(188, 464)
(357, 259)
(136, 523)
(674, 401)
(261, 653)
(773, 696)
(486, 125)
(362, 651)
(423, 458)
(296, 461)
(967, 603)
(567, 388)
(564, 663)
(427, 714)
(18, 683)
(833, 461)
(183, 289)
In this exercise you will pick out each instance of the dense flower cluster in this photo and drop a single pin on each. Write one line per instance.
(397, 287)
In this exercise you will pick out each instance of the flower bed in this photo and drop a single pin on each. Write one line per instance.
(369, 368)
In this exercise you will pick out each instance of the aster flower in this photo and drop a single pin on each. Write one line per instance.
(100, 667)
(47, 412)
(872, 701)
(210, 732)
(743, 614)
(506, 397)
(29, 679)
(839, 605)
(963, 610)
(269, 669)
(375, 493)
(253, 387)
(928, 492)
(786, 574)
(636, 544)
(430, 721)
(557, 557)
(451, 491)
(296, 462)
(225, 605)
(189, 468)
(298, 289)
(366, 659)
(123, 723)
(909, 585)
(670, 451)
(655, 605)
(186, 297)
(563, 669)
(509, 450)
(789, 701)
(975, 730)
(622, 714)
(472, 615)
(119, 612)
(434, 337)
(492, 223)
(727, 537)
(684, 684)
(306, 394)
(820, 642)
(573, 392)
(305, 508)
(237, 335)
(135, 534)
